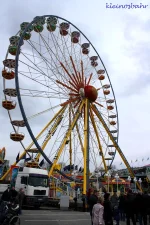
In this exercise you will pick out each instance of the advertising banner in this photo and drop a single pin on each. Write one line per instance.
(14, 173)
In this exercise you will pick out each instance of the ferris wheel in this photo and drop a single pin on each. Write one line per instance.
(65, 93)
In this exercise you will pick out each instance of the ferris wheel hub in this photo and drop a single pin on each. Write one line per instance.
(90, 92)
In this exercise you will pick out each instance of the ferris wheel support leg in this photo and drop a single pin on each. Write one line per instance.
(115, 144)
(58, 154)
(86, 149)
(98, 140)
(58, 118)
(70, 139)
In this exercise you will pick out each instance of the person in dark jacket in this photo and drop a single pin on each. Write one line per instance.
(130, 207)
(20, 198)
(146, 203)
(13, 192)
(139, 206)
(115, 207)
(6, 196)
(122, 206)
(108, 211)
(92, 201)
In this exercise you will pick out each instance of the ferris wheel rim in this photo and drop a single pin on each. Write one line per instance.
(19, 95)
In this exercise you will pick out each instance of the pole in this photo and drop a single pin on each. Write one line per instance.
(86, 149)
(87, 163)
(108, 183)
(117, 186)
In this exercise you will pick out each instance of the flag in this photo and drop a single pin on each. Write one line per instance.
(76, 167)
(28, 159)
(131, 161)
(148, 158)
(142, 159)
(41, 163)
(121, 163)
(80, 169)
(17, 158)
(136, 160)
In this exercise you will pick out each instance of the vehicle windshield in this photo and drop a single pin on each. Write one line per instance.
(38, 180)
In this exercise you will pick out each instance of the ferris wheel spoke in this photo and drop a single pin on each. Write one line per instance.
(45, 44)
(60, 133)
(78, 131)
(92, 152)
(43, 91)
(31, 67)
(57, 57)
(45, 75)
(60, 50)
(45, 111)
(50, 50)
(51, 130)
(39, 69)
(47, 62)
(56, 86)
(43, 94)
(55, 93)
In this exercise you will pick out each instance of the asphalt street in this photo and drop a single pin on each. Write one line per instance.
(54, 217)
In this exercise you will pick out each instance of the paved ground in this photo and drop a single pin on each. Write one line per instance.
(54, 217)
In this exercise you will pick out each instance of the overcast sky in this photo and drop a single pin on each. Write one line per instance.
(122, 38)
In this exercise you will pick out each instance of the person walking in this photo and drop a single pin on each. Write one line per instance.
(92, 201)
(20, 197)
(108, 212)
(97, 213)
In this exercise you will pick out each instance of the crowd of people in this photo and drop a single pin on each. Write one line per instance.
(128, 207)
(11, 195)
